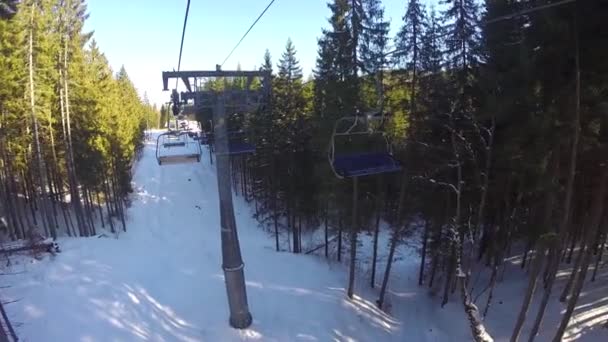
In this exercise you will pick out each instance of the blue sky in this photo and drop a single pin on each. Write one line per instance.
(144, 35)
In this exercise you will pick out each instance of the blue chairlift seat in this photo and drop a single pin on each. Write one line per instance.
(179, 159)
(174, 144)
(365, 164)
(236, 143)
(240, 147)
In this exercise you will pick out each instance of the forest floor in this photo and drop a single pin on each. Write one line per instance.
(162, 281)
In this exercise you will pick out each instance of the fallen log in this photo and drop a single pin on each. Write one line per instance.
(38, 246)
(321, 246)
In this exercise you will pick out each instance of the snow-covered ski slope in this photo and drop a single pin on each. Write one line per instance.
(162, 281)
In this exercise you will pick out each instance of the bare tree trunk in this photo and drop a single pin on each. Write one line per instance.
(115, 197)
(572, 246)
(103, 225)
(7, 212)
(296, 236)
(118, 203)
(15, 227)
(448, 279)
(14, 204)
(276, 227)
(108, 206)
(397, 230)
(596, 215)
(425, 238)
(91, 203)
(67, 127)
(53, 205)
(300, 233)
(387, 271)
(536, 267)
(433, 271)
(28, 188)
(488, 145)
(326, 231)
(554, 261)
(340, 239)
(599, 257)
(20, 206)
(492, 286)
(275, 201)
(577, 264)
(376, 233)
(354, 230)
(524, 260)
(41, 166)
(477, 328)
(375, 250)
(89, 209)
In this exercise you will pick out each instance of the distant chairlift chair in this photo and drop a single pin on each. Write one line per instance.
(238, 144)
(175, 147)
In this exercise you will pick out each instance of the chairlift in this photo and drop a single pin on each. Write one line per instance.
(238, 143)
(361, 161)
(175, 147)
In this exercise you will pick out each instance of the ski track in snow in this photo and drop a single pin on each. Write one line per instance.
(162, 280)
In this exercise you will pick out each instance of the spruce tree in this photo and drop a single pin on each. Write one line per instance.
(373, 49)
(292, 121)
(267, 64)
(408, 45)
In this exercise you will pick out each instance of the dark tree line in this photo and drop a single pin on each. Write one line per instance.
(502, 128)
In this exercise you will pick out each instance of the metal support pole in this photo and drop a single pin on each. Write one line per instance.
(210, 141)
(232, 262)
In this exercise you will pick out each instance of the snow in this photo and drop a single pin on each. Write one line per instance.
(162, 281)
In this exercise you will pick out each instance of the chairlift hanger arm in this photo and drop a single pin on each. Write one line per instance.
(186, 75)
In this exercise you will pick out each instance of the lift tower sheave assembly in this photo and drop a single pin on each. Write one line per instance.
(218, 100)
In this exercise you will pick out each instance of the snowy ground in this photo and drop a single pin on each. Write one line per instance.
(162, 281)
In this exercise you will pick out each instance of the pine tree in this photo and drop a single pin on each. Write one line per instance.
(290, 118)
(462, 44)
(373, 48)
(408, 44)
(267, 64)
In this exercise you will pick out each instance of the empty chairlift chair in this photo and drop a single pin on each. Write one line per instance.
(238, 144)
(175, 147)
(358, 149)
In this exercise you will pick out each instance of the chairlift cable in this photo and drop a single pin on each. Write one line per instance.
(181, 47)
(247, 32)
(526, 11)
